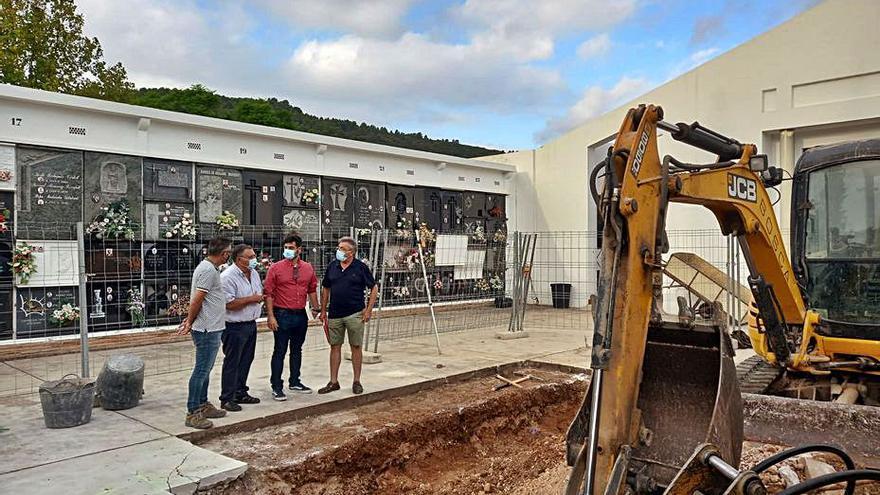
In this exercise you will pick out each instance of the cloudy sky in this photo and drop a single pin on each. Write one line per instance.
(508, 74)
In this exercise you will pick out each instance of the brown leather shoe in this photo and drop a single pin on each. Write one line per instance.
(196, 419)
(330, 387)
(209, 411)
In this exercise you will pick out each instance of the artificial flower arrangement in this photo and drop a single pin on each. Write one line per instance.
(310, 197)
(4, 217)
(227, 221)
(264, 261)
(426, 235)
(438, 284)
(400, 292)
(479, 234)
(500, 236)
(68, 313)
(180, 307)
(23, 263)
(114, 222)
(135, 306)
(184, 229)
(496, 283)
(496, 212)
(482, 285)
(404, 228)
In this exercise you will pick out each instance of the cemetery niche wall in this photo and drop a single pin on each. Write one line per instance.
(147, 222)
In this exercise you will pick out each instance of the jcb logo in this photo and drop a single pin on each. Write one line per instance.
(742, 188)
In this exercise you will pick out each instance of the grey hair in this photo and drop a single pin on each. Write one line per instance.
(350, 241)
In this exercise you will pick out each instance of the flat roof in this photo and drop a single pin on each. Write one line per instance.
(123, 109)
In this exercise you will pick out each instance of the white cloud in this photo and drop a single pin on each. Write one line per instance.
(374, 18)
(594, 47)
(595, 101)
(693, 61)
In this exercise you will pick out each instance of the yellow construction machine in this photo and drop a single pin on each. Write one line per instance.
(663, 412)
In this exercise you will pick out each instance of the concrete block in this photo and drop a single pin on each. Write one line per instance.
(511, 335)
(369, 357)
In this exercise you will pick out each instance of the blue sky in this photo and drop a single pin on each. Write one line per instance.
(509, 74)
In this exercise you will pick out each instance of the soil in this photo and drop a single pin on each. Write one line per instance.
(459, 438)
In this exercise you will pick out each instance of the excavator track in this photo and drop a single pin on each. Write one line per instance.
(756, 375)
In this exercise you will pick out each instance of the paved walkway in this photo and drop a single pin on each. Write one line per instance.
(137, 451)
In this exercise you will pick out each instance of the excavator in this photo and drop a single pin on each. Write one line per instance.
(663, 410)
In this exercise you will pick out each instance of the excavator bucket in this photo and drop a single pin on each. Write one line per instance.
(689, 395)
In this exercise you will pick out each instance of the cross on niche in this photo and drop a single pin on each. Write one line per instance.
(338, 192)
(254, 190)
(291, 184)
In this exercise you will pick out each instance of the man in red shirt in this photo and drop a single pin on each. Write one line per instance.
(288, 283)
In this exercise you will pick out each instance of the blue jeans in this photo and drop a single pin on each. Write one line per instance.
(291, 333)
(207, 344)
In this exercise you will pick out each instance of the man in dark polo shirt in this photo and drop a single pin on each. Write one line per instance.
(343, 287)
(288, 283)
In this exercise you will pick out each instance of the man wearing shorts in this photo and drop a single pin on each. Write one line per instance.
(343, 288)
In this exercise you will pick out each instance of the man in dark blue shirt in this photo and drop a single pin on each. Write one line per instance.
(343, 288)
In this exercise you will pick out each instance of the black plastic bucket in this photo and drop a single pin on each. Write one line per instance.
(67, 402)
(121, 382)
(561, 295)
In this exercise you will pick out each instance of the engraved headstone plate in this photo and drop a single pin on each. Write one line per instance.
(56, 261)
(369, 205)
(107, 302)
(301, 191)
(429, 207)
(401, 205)
(451, 212)
(113, 259)
(168, 180)
(109, 178)
(163, 259)
(218, 190)
(34, 307)
(305, 221)
(50, 190)
(496, 206)
(161, 218)
(474, 204)
(337, 207)
(262, 198)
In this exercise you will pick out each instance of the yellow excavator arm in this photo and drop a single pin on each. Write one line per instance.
(659, 388)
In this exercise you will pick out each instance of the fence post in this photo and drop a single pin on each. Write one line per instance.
(83, 300)
(428, 289)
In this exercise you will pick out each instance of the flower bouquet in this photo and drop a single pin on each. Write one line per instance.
(4, 217)
(184, 229)
(180, 307)
(227, 221)
(23, 262)
(135, 306)
(310, 197)
(68, 313)
(114, 222)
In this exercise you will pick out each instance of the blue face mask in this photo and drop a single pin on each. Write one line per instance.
(289, 254)
(340, 255)
(252, 263)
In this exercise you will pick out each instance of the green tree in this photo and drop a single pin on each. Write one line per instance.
(42, 46)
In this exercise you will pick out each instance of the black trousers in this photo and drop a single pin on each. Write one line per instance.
(291, 333)
(239, 343)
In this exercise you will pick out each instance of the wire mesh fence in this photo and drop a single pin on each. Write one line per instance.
(480, 277)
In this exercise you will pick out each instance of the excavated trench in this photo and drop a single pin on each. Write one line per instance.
(455, 437)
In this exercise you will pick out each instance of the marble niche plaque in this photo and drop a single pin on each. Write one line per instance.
(34, 307)
(218, 190)
(109, 178)
(474, 204)
(295, 186)
(160, 218)
(429, 207)
(168, 180)
(262, 198)
(369, 210)
(401, 204)
(452, 212)
(305, 221)
(50, 187)
(337, 207)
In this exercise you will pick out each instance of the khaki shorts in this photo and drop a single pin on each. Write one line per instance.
(353, 324)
